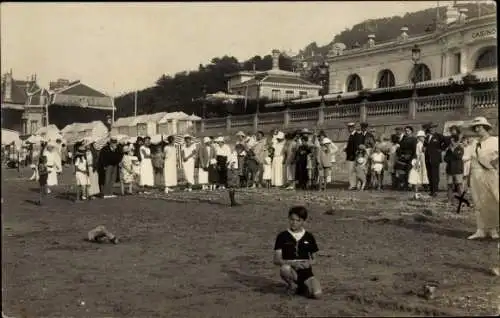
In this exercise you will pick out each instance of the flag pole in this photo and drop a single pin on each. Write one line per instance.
(113, 107)
(46, 100)
(135, 103)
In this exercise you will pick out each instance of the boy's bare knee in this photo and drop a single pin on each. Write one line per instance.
(286, 270)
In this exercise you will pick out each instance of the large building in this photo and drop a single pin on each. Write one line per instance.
(274, 84)
(460, 46)
(25, 105)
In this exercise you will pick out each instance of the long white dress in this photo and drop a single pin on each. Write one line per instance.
(418, 176)
(277, 175)
(188, 166)
(53, 168)
(93, 175)
(484, 184)
(147, 177)
(170, 166)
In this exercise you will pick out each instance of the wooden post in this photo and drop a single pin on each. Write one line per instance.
(362, 111)
(202, 125)
(286, 118)
(228, 122)
(255, 122)
(468, 101)
(412, 107)
(321, 115)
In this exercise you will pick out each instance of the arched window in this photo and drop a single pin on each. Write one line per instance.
(386, 79)
(487, 59)
(354, 83)
(420, 73)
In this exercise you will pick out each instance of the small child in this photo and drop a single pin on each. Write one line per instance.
(43, 174)
(266, 174)
(324, 163)
(469, 147)
(377, 167)
(127, 173)
(81, 173)
(233, 175)
(361, 167)
(454, 167)
(294, 252)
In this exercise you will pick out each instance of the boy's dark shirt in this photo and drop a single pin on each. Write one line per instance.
(291, 249)
(42, 169)
(454, 161)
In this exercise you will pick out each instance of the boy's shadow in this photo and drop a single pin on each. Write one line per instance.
(256, 283)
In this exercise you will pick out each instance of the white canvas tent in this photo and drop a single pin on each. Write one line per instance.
(49, 133)
(77, 131)
(174, 123)
(10, 136)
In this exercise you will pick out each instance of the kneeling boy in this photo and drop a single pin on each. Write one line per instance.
(294, 253)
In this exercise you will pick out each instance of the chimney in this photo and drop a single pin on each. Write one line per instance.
(8, 87)
(276, 59)
(371, 40)
(462, 16)
(451, 14)
(404, 33)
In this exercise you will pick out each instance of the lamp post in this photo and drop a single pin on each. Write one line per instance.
(415, 57)
(204, 103)
(323, 73)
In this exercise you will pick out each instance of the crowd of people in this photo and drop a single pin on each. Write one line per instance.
(300, 160)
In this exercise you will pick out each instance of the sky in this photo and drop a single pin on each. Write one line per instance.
(119, 47)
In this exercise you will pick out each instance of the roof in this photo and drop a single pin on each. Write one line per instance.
(80, 89)
(280, 79)
(34, 98)
(47, 129)
(77, 127)
(150, 118)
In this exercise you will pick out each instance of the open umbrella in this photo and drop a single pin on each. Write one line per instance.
(156, 139)
(34, 139)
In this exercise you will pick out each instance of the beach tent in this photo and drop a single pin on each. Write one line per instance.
(78, 131)
(10, 136)
(174, 123)
(147, 125)
(123, 126)
(49, 133)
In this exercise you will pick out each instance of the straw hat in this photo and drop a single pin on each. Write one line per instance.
(351, 124)
(480, 121)
(188, 136)
(280, 135)
(420, 133)
(206, 140)
(219, 139)
(240, 133)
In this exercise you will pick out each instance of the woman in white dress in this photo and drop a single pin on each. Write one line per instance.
(91, 155)
(484, 180)
(418, 172)
(170, 164)
(278, 164)
(147, 178)
(188, 153)
(52, 166)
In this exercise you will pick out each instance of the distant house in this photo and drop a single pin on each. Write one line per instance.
(274, 84)
(153, 124)
(25, 104)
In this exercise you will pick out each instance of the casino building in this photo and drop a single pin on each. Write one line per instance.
(459, 46)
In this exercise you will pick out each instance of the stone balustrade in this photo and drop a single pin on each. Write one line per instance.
(465, 104)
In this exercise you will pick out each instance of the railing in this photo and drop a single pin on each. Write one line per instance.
(342, 111)
(304, 115)
(391, 107)
(487, 98)
(444, 102)
(407, 107)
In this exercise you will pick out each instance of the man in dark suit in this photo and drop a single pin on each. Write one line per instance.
(353, 142)
(434, 145)
(368, 139)
(405, 153)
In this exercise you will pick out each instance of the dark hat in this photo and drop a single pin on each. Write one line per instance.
(113, 140)
(364, 125)
(429, 125)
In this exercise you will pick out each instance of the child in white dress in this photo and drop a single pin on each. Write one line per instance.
(377, 167)
(267, 173)
(418, 172)
(127, 173)
(81, 173)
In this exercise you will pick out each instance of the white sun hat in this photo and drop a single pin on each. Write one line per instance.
(480, 121)
(219, 139)
(421, 133)
(280, 135)
(206, 139)
(326, 141)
